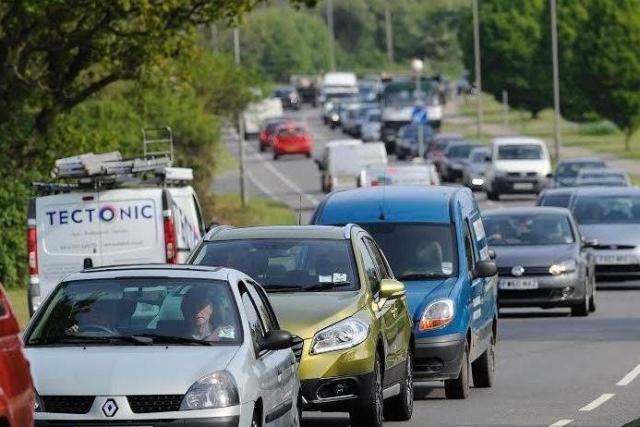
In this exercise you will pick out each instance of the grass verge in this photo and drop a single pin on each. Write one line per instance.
(225, 161)
(227, 209)
(18, 300)
(602, 136)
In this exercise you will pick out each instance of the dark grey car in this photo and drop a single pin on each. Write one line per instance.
(567, 170)
(542, 259)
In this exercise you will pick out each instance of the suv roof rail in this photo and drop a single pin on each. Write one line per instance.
(217, 229)
(347, 230)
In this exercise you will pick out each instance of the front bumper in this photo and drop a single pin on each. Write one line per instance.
(232, 421)
(617, 264)
(563, 290)
(438, 358)
(336, 394)
(519, 185)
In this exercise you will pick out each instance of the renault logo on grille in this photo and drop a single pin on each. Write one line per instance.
(518, 270)
(109, 408)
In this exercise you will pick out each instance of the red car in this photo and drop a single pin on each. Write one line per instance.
(16, 387)
(291, 138)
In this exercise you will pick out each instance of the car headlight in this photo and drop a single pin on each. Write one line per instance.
(345, 334)
(563, 267)
(217, 390)
(437, 315)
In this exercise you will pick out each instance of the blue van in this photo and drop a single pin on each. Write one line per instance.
(435, 242)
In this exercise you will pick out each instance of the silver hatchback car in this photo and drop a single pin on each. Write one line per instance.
(161, 346)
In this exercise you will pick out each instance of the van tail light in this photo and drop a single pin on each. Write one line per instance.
(171, 244)
(32, 250)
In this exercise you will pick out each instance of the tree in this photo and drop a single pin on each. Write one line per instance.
(511, 36)
(604, 60)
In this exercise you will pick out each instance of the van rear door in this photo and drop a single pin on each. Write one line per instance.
(68, 232)
(187, 220)
(131, 228)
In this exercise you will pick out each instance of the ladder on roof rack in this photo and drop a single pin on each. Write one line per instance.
(157, 142)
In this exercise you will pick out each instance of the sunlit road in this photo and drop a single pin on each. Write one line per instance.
(551, 368)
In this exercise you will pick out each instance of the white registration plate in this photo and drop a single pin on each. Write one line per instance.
(615, 259)
(523, 186)
(509, 284)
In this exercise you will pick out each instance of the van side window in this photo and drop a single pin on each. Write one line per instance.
(468, 247)
(373, 277)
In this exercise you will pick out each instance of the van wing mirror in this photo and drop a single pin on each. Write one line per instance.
(485, 268)
(390, 288)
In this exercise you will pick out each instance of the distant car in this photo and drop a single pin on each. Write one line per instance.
(408, 141)
(602, 177)
(371, 125)
(291, 138)
(161, 345)
(333, 288)
(16, 387)
(566, 172)
(368, 90)
(556, 197)
(435, 153)
(354, 118)
(518, 165)
(474, 168)
(455, 156)
(289, 97)
(268, 128)
(542, 259)
(612, 217)
(405, 174)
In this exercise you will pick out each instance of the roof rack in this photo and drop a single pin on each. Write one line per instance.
(155, 139)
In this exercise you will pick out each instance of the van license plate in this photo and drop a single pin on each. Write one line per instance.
(523, 186)
(518, 284)
(615, 259)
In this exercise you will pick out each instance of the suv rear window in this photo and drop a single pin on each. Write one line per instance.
(520, 152)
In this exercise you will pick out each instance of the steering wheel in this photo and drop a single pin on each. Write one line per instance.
(98, 328)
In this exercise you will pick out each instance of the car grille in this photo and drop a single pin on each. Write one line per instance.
(528, 271)
(613, 247)
(67, 404)
(145, 404)
(525, 294)
(622, 269)
(297, 347)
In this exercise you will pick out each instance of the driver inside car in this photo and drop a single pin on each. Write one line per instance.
(204, 319)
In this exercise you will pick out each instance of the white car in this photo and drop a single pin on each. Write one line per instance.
(162, 345)
(517, 165)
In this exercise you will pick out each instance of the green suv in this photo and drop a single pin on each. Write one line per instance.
(333, 288)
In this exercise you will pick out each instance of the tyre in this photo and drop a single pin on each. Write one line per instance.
(483, 369)
(491, 195)
(369, 414)
(308, 155)
(592, 300)
(276, 156)
(459, 388)
(580, 309)
(262, 148)
(400, 407)
(256, 420)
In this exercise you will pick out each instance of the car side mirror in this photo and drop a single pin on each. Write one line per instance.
(390, 288)
(492, 254)
(589, 243)
(276, 340)
(485, 268)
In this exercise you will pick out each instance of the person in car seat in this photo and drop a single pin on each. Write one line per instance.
(204, 320)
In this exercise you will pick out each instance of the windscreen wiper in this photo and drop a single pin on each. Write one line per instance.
(170, 339)
(328, 285)
(420, 276)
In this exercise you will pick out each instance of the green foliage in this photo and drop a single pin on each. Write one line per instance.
(599, 128)
(511, 40)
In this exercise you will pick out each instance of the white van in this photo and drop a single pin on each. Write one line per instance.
(75, 226)
(259, 111)
(517, 165)
(343, 161)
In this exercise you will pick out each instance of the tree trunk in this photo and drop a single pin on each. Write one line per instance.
(535, 114)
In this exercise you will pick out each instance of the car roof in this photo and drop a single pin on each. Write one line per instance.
(607, 191)
(151, 270)
(516, 140)
(561, 190)
(279, 232)
(402, 203)
(529, 210)
(608, 171)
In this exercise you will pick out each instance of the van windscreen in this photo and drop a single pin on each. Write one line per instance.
(417, 251)
(520, 152)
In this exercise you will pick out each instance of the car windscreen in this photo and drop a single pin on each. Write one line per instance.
(601, 209)
(287, 132)
(571, 169)
(374, 117)
(557, 200)
(520, 152)
(417, 251)
(459, 151)
(528, 229)
(139, 311)
(287, 264)
(479, 156)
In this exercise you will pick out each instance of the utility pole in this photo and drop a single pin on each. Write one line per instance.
(388, 31)
(476, 50)
(332, 36)
(505, 108)
(243, 188)
(556, 81)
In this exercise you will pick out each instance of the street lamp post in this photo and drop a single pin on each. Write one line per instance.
(556, 81)
(476, 49)
(418, 65)
(243, 188)
(332, 49)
